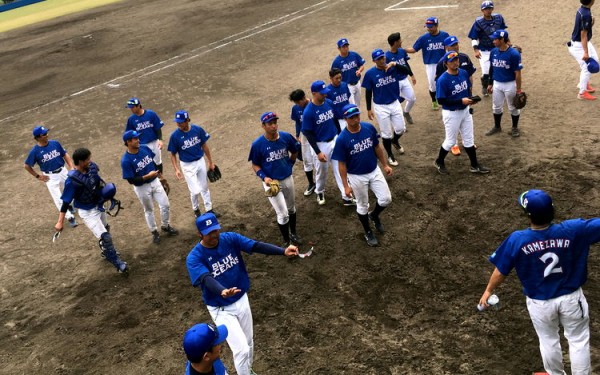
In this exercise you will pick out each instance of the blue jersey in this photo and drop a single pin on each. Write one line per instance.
(224, 263)
(49, 157)
(401, 57)
(188, 144)
(296, 116)
(482, 29)
(550, 262)
(218, 368)
(138, 165)
(465, 63)
(357, 150)
(583, 21)
(83, 189)
(147, 125)
(384, 85)
(432, 46)
(320, 120)
(349, 65)
(505, 64)
(453, 87)
(273, 157)
(339, 96)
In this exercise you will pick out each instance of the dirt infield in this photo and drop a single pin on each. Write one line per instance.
(407, 307)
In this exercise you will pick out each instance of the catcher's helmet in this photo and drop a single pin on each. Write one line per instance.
(593, 66)
(109, 191)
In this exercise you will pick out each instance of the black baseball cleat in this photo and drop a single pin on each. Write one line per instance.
(155, 237)
(380, 228)
(349, 202)
(408, 118)
(371, 239)
(197, 212)
(493, 131)
(309, 190)
(170, 230)
(480, 169)
(296, 239)
(440, 167)
(515, 132)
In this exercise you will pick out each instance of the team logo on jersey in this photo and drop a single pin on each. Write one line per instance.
(224, 264)
(277, 155)
(143, 163)
(49, 156)
(191, 142)
(383, 81)
(435, 46)
(500, 64)
(143, 125)
(460, 87)
(348, 66)
(325, 117)
(361, 146)
(341, 99)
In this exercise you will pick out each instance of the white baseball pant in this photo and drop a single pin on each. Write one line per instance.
(355, 93)
(408, 93)
(576, 50)
(321, 168)
(197, 182)
(237, 317)
(570, 311)
(157, 152)
(95, 220)
(455, 122)
(147, 194)
(390, 119)
(361, 183)
(504, 91)
(284, 203)
(430, 70)
(55, 184)
(308, 155)
(484, 62)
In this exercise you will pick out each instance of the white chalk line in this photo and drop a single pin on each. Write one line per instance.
(188, 56)
(395, 6)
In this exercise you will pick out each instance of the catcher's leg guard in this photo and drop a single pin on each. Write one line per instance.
(110, 253)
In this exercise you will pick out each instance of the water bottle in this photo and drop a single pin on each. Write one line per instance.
(493, 301)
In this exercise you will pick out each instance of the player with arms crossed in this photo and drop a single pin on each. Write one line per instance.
(202, 346)
(216, 266)
(582, 49)
(399, 55)
(273, 155)
(51, 157)
(357, 150)
(551, 263)
(352, 65)
(308, 155)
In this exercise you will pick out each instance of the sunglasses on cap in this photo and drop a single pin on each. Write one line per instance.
(352, 112)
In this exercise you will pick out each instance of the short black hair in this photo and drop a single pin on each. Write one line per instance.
(81, 154)
(334, 72)
(297, 95)
(585, 2)
(543, 218)
(393, 38)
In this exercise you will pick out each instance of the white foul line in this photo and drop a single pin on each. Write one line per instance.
(395, 6)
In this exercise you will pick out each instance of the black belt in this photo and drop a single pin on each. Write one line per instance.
(453, 110)
(328, 140)
(353, 84)
(56, 171)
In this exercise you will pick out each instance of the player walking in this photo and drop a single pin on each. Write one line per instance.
(381, 86)
(51, 157)
(189, 142)
(480, 35)
(453, 91)
(202, 346)
(432, 44)
(273, 155)
(339, 94)
(399, 55)
(352, 65)
(357, 150)
(140, 170)
(505, 73)
(86, 189)
(582, 49)
(308, 155)
(216, 266)
(551, 263)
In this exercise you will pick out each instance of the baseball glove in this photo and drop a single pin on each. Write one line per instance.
(520, 100)
(165, 185)
(214, 174)
(273, 189)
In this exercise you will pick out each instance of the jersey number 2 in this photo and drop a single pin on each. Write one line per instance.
(551, 267)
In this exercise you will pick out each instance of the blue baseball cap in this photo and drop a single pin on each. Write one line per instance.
(200, 339)
(486, 5)
(431, 22)
(350, 110)
(181, 116)
(40, 130)
(450, 56)
(320, 87)
(268, 117)
(130, 134)
(207, 223)
(499, 34)
(450, 41)
(536, 202)
(342, 42)
(592, 66)
(377, 54)
(133, 102)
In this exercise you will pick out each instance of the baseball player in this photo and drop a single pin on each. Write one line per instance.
(551, 263)
(141, 171)
(432, 44)
(273, 155)
(357, 150)
(189, 142)
(88, 192)
(308, 154)
(51, 157)
(216, 266)
(352, 65)
(339, 94)
(582, 49)
(480, 35)
(398, 54)
(505, 73)
(465, 63)
(320, 127)
(202, 346)
(453, 92)
(381, 87)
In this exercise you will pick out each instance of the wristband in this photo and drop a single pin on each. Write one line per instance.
(261, 174)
